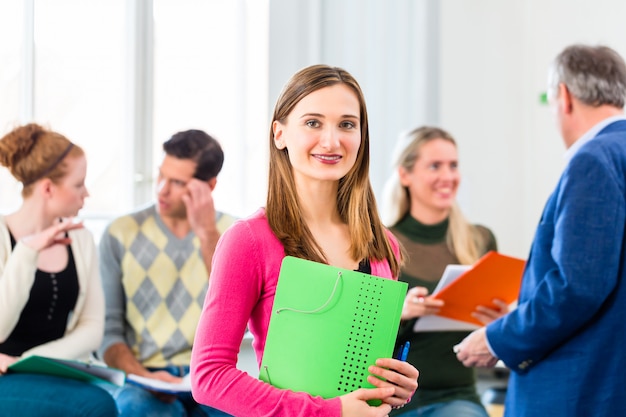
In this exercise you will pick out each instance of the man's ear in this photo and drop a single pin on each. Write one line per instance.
(566, 99)
(212, 182)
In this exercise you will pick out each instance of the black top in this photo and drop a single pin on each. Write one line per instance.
(365, 267)
(46, 313)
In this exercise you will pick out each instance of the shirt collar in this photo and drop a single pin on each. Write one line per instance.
(423, 233)
(590, 134)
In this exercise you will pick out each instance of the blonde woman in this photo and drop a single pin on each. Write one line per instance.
(420, 209)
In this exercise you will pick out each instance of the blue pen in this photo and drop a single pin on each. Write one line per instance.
(403, 352)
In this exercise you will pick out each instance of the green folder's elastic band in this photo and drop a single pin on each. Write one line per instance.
(267, 374)
(317, 310)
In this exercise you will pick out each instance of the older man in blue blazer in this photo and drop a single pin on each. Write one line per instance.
(565, 342)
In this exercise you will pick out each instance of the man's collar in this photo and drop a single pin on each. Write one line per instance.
(590, 134)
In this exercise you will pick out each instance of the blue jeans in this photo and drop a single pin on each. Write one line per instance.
(34, 395)
(456, 408)
(134, 401)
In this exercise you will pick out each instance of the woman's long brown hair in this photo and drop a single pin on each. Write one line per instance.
(356, 203)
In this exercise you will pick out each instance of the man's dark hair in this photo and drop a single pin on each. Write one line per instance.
(201, 148)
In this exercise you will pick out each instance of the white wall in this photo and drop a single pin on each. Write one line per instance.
(494, 60)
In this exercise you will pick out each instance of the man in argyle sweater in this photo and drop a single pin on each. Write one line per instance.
(155, 265)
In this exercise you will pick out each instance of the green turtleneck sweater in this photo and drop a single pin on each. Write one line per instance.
(442, 377)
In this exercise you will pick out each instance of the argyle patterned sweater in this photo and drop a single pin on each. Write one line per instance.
(155, 284)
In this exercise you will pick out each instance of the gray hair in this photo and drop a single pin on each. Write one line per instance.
(596, 75)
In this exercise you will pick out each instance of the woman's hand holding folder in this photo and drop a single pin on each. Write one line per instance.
(5, 361)
(396, 373)
(486, 315)
(418, 304)
(355, 403)
(395, 381)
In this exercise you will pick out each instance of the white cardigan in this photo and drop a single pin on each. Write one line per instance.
(85, 325)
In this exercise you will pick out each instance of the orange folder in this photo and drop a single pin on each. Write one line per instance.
(492, 276)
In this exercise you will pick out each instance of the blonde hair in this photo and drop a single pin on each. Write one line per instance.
(355, 200)
(462, 238)
(32, 152)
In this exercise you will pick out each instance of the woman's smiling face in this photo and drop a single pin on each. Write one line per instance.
(322, 134)
(434, 179)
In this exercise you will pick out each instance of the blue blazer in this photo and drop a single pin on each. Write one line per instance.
(566, 341)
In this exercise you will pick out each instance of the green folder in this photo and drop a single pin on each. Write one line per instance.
(81, 371)
(328, 325)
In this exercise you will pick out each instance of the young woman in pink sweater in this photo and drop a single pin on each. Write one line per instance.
(320, 206)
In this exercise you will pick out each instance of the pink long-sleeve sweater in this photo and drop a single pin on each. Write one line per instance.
(241, 292)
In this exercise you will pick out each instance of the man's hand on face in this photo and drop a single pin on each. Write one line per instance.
(200, 207)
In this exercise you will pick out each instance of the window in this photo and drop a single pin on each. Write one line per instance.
(80, 89)
(119, 77)
(210, 73)
(11, 74)
(74, 84)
